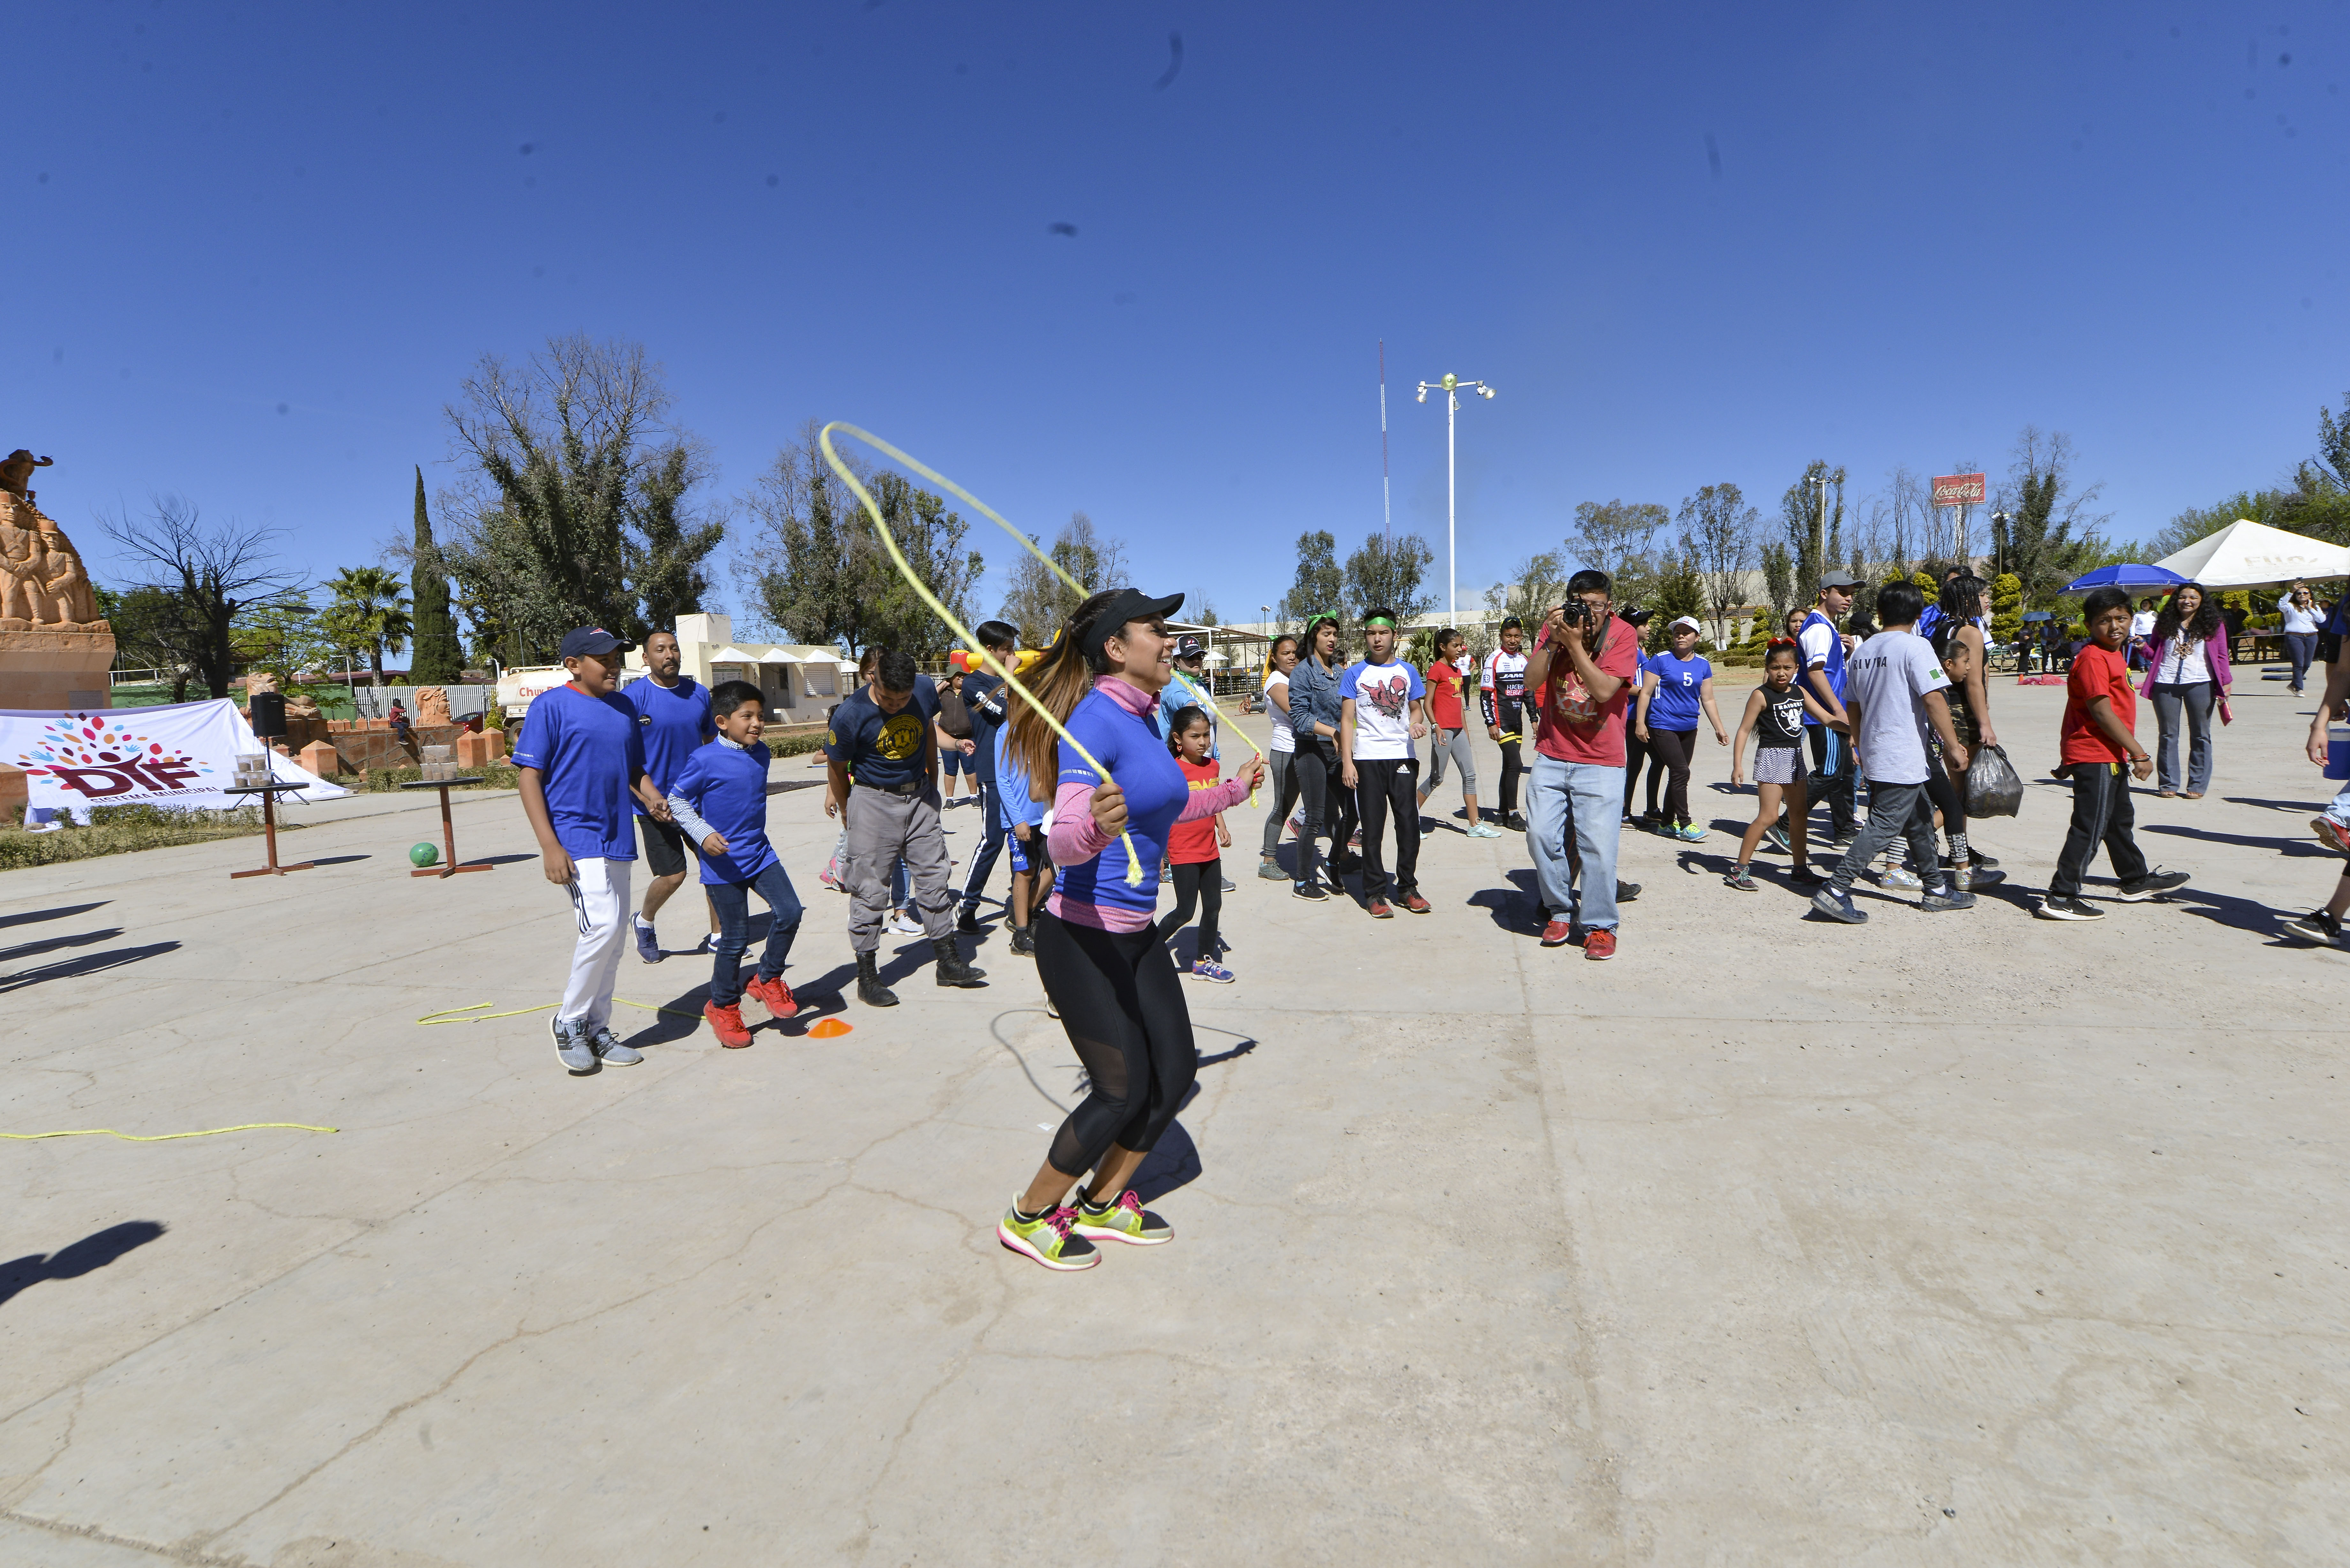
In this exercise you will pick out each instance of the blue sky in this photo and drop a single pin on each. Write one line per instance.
(256, 246)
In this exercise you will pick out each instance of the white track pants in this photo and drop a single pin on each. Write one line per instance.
(599, 897)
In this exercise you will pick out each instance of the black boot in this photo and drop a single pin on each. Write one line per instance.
(869, 989)
(953, 969)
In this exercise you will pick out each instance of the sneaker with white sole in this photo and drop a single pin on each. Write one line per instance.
(2153, 885)
(2316, 926)
(1206, 968)
(574, 1045)
(1123, 1219)
(902, 924)
(1837, 904)
(648, 943)
(2056, 908)
(1478, 830)
(610, 1050)
(2332, 834)
(1898, 877)
(1048, 1238)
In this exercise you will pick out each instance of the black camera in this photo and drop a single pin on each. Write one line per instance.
(1574, 612)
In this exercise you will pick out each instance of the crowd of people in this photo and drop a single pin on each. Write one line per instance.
(1103, 778)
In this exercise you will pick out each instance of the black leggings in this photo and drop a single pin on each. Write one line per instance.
(1510, 768)
(1201, 885)
(1123, 1008)
(1316, 767)
(1636, 752)
(1950, 798)
(1669, 754)
(1281, 774)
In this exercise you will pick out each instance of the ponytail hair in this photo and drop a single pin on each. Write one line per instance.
(1273, 652)
(1059, 679)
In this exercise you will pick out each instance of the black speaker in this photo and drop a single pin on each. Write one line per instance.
(269, 715)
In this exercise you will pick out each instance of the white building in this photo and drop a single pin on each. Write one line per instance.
(802, 682)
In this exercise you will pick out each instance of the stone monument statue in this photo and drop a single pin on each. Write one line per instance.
(55, 650)
(42, 584)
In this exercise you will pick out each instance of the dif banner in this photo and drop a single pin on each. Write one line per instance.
(182, 755)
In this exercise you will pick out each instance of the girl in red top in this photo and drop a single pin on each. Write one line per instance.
(1445, 678)
(1192, 850)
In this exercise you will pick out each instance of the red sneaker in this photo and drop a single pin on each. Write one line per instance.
(1379, 910)
(772, 994)
(1599, 945)
(726, 1022)
(1556, 933)
(2331, 833)
(1415, 903)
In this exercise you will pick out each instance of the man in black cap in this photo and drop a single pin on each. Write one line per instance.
(1820, 646)
(582, 764)
(1185, 691)
(885, 736)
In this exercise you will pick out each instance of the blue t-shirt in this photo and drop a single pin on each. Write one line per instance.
(587, 752)
(676, 723)
(1178, 694)
(728, 786)
(878, 748)
(1674, 707)
(1156, 791)
(1012, 789)
(983, 695)
(1819, 642)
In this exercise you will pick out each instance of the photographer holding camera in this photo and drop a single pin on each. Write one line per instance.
(1579, 679)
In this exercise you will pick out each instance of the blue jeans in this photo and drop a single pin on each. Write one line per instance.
(732, 902)
(2192, 704)
(1586, 800)
(990, 844)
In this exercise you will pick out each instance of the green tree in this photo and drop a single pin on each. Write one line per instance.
(667, 550)
(2052, 533)
(1616, 538)
(576, 485)
(1320, 587)
(287, 637)
(1778, 580)
(931, 537)
(437, 660)
(1390, 573)
(1038, 602)
(151, 631)
(369, 612)
(1799, 510)
(1679, 591)
(209, 573)
(1718, 537)
(1538, 582)
(2006, 607)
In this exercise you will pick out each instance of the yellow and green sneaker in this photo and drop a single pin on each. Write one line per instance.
(1046, 1237)
(1122, 1220)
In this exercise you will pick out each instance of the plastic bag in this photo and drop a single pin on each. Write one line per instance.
(1994, 787)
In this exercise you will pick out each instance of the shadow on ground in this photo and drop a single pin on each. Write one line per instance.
(88, 1255)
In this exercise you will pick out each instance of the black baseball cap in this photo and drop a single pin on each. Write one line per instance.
(1190, 645)
(595, 639)
(1130, 604)
(1838, 580)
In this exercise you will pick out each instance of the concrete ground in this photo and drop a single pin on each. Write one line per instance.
(1958, 1238)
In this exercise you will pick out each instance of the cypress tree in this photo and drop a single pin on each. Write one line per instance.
(434, 655)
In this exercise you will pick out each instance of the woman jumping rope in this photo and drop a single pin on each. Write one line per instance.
(1109, 978)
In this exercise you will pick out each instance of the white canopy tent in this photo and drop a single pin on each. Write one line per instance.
(2249, 555)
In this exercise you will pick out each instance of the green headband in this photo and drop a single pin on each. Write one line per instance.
(1380, 620)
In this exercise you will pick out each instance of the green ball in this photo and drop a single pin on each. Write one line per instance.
(424, 853)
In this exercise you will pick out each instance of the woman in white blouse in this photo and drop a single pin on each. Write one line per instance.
(2186, 675)
(2298, 610)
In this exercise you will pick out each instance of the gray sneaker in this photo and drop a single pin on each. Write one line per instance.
(572, 1044)
(610, 1050)
(1953, 898)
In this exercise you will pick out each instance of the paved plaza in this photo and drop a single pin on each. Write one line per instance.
(1959, 1239)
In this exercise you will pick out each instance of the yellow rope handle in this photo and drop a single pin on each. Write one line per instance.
(1025, 543)
(824, 439)
(166, 1137)
(449, 1015)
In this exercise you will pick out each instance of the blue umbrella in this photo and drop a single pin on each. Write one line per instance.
(2124, 577)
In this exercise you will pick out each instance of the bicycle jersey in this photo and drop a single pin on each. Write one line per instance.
(1501, 692)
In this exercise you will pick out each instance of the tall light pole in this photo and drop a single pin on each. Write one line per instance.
(1820, 563)
(1450, 387)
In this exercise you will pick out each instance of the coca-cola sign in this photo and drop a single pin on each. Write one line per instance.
(1958, 489)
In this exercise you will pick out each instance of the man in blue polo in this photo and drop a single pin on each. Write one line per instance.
(673, 720)
(1820, 646)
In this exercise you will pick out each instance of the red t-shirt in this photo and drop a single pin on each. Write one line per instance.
(1444, 695)
(1582, 730)
(1194, 842)
(2097, 673)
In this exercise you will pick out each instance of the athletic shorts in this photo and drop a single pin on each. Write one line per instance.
(665, 847)
(1778, 764)
(1028, 857)
(952, 762)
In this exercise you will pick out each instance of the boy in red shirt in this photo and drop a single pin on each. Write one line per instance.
(2100, 735)
(1578, 679)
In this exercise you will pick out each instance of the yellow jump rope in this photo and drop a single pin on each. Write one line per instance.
(889, 543)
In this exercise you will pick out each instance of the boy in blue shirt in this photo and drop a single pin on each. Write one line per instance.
(1023, 817)
(673, 716)
(720, 801)
(582, 764)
